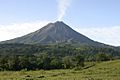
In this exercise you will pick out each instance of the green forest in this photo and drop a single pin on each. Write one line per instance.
(14, 57)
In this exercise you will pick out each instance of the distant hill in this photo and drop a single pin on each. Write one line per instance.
(54, 33)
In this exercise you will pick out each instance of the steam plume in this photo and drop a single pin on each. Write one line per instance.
(62, 7)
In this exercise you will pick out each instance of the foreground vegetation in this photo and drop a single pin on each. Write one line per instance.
(109, 70)
(14, 57)
(59, 62)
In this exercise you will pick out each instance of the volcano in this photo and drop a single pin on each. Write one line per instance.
(53, 33)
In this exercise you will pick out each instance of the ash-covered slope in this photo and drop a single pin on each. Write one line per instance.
(53, 33)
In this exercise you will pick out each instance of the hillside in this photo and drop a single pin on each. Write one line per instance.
(58, 50)
(101, 71)
(109, 70)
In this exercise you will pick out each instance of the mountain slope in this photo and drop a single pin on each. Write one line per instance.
(53, 33)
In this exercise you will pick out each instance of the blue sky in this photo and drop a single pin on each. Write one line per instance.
(94, 12)
(80, 12)
(27, 10)
(97, 19)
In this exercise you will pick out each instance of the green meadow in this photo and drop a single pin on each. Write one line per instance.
(109, 70)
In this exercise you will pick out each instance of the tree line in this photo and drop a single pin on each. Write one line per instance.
(39, 61)
(46, 62)
(36, 57)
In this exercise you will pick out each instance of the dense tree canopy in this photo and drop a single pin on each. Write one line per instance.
(33, 57)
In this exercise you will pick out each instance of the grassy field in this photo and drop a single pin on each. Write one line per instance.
(109, 70)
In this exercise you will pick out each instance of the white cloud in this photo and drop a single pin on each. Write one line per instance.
(19, 29)
(62, 7)
(107, 35)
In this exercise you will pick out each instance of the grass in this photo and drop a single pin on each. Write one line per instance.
(109, 70)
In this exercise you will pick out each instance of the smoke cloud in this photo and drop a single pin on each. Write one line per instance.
(62, 7)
